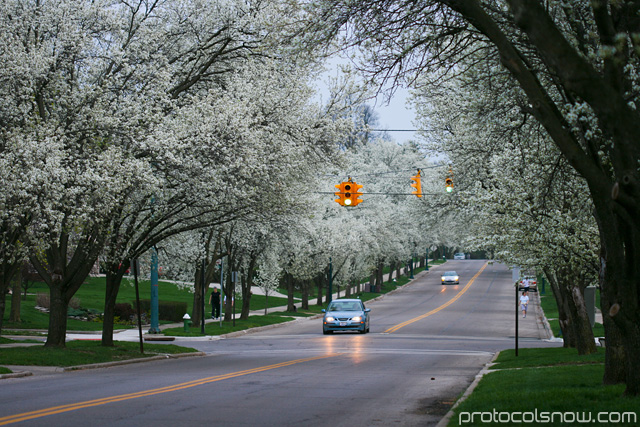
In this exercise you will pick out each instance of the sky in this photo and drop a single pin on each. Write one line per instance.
(393, 115)
(396, 114)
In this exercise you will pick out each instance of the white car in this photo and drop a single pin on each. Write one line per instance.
(450, 277)
(459, 256)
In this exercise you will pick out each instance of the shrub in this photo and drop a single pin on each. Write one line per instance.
(167, 310)
(124, 311)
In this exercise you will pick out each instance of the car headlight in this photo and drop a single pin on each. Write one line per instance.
(456, 278)
(443, 278)
(356, 319)
(329, 319)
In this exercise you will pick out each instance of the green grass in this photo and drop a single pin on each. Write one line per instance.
(91, 295)
(552, 379)
(84, 352)
(531, 357)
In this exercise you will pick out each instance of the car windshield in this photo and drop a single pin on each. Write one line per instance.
(450, 273)
(345, 306)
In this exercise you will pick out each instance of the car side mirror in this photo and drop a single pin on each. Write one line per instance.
(324, 311)
(366, 310)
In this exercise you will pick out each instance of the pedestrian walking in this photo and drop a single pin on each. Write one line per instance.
(524, 303)
(214, 300)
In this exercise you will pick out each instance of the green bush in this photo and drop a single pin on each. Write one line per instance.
(124, 311)
(167, 310)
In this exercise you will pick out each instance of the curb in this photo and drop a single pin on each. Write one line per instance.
(130, 361)
(485, 370)
(60, 369)
(16, 375)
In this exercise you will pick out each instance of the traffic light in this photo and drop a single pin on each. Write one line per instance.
(349, 193)
(448, 184)
(417, 185)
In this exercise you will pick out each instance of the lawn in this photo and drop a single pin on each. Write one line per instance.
(541, 382)
(91, 295)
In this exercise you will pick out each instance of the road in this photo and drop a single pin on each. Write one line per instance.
(426, 345)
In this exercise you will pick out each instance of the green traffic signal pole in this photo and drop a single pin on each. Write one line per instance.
(203, 295)
(155, 324)
(426, 260)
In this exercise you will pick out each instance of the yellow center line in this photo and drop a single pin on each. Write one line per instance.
(435, 310)
(97, 402)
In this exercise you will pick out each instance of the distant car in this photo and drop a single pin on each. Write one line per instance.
(533, 283)
(450, 277)
(459, 256)
(346, 315)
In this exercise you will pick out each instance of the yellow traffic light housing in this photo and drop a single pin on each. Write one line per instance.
(349, 193)
(416, 184)
(355, 194)
(448, 183)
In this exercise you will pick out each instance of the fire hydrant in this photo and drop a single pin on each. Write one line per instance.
(187, 322)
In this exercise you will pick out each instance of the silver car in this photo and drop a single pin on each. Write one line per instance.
(346, 315)
(450, 277)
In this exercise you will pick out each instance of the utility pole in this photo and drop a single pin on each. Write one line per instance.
(330, 296)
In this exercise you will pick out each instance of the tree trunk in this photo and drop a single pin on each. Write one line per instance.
(114, 274)
(3, 296)
(58, 308)
(228, 291)
(574, 320)
(7, 271)
(246, 297)
(615, 360)
(14, 316)
(619, 283)
(563, 310)
(246, 283)
(319, 285)
(585, 342)
(305, 294)
(380, 275)
(290, 289)
(196, 311)
(392, 266)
